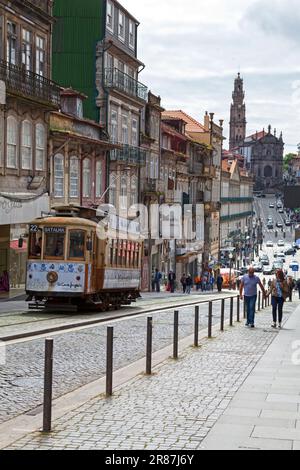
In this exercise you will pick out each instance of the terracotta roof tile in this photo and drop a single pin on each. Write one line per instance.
(192, 124)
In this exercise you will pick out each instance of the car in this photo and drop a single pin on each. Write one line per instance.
(272, 206)
(290, 251)
(288, 223)
(263, 196)
(277, 265)
(281, 211)
(281, 243)
(281, 257)
(279, 225)
(270, 244)
(258, 267)
(296, 246)
(264, 260)
(270, 226)
(268, 270)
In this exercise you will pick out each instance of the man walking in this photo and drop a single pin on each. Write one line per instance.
(249, 285)
(172, 279)
(157, 280)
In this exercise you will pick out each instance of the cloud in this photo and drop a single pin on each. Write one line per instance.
(279, 18)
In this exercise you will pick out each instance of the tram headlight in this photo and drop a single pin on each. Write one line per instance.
(52, 277)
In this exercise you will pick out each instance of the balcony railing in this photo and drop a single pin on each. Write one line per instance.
(30, 85)
(116, 79)
(196, 168)
(150, 185)
(129, 154)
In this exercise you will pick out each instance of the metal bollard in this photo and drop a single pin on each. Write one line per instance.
(210, 316)
(109, 361)
(222, 314)
(48, 385)
(176, 328)
(196, 337)
(231, 311)
(238, 306)
(259, 301)
(149, 346)
(245, 310)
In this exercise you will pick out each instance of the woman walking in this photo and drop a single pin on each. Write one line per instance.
(279, 291)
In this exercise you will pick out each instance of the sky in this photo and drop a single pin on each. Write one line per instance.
(193, 50)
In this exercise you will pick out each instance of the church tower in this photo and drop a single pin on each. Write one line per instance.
(238, 115)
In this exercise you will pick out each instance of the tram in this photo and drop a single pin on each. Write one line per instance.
(71, 268)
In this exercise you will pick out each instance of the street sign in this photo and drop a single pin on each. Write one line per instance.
(295, 269)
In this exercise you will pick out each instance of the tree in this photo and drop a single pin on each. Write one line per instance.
(287, 159)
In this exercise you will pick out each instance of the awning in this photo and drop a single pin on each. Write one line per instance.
(14, 245)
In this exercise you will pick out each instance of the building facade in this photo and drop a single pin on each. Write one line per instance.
(27, 97)
(237, 209)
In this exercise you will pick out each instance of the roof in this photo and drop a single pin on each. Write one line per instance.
(257, 135)
(191, 124)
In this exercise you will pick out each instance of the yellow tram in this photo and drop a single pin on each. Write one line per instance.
(71, 268)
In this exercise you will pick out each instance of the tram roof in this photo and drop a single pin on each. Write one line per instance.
(58, 221)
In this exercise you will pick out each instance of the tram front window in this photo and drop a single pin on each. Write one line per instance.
(35, 244)
(55, 246)
(76, 244)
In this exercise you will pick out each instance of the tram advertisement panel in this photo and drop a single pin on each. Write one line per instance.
(121, 279)
(55, 277)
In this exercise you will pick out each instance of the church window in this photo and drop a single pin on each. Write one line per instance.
(268, 173)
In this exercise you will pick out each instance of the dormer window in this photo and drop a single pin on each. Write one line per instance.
(121, 31)
(110, 16)
(131, 35)
(79, 108)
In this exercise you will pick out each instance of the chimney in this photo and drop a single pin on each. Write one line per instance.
(206, 122)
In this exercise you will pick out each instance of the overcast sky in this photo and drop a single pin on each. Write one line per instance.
(194, 49)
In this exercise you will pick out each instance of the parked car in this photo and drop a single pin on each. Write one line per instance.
(288, 223)
(272, 206)
(277, 265)
(290, 251)
(281, 257)
(270, 226)
(281, 243)
(281, 211)
(279, 224)
(270, 244)
(258, 267)
(268, 270)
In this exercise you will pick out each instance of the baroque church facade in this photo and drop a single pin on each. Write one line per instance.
(263, 151)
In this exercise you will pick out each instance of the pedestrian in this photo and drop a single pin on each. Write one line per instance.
(269, 283)
(198, 282)
(183, 283)
(249, 285)
(298, 287)
(157, 280)
(220, 282)
(204, 283)
(291, 285)
(212, 282)
(172, 279)
(189, 284)
(264, 282)
(279, 291)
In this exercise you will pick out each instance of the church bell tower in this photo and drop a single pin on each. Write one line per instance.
(238, 115)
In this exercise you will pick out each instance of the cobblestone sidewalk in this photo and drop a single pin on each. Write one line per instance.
(173, 410)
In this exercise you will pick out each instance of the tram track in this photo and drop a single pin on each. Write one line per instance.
(108, 318)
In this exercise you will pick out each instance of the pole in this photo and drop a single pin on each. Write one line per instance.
(222, 314)
(238, 309)
(210, 316)
(196, 338)
(176, 328)
(149, 346)
(48, 381)
(231, 311)
(109, 361)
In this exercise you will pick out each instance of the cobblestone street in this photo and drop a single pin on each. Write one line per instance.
(175, 408)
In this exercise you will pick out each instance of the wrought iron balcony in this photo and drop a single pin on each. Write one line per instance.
(129, 154)
(22, 82)
(150, 185)
(118, 80)
(196, 168)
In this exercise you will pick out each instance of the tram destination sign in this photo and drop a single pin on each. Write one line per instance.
(56, 230)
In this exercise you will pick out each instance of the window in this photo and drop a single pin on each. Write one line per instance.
(11, 43)
(40, 56)
(109, 61)
(131, 35)
(26, 146)
(12, 140)
(124, 129)
(114, 125)
(74, 177)
(76, 244)
(134, 133)
(110, 16)
(121, 30)
(133, 191)
(27, 49)
(59, 176)
(54, 244)
(35, 243)
(87, 178)
(113, 189)
(123, 194)
(40, 147)
(99, 178)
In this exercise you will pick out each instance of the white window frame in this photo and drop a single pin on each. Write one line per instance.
(123, 192)
(110, 14)
(40, 55)
(74, 177)
(133, 191)
(99, 178)
(134, 132)
(12, 142)
(121, 24)
(59, 175)
(87, 178)
(40, 147)
(114, 126)
(125, 137)
(26, 145)
(131, 35)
